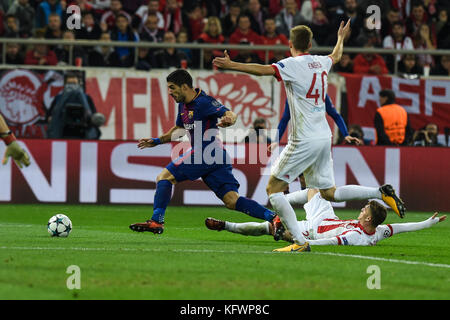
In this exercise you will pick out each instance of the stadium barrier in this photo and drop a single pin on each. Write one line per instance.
(117, 172)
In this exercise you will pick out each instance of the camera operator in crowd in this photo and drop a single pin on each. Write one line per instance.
(72, 113)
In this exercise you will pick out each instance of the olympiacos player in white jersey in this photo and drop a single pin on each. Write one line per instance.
(323, 227)
(309, 146)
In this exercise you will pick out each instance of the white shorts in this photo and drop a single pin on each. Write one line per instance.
(310, 157)
(317, 209)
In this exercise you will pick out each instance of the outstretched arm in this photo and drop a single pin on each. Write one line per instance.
(414, 226)
(251, 68)
(166, 137)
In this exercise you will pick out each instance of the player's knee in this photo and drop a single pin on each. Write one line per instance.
(230, 200)
(327, 195)
(165, 175)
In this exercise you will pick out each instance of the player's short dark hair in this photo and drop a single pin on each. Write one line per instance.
(301, 37)
(389, 94)
(180, 77)
(378, 213)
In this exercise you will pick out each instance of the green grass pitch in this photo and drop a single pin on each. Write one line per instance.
(191, 262)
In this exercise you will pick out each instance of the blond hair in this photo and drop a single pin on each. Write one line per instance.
(218, 25)
(301, 37)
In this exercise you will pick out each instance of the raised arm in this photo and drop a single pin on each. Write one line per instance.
(339, 48)
(251, 68)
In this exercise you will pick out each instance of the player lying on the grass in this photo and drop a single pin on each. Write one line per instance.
(323, 227)
(13, 149)
(198, 114)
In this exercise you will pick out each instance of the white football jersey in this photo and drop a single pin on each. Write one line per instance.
(305, 80)
(348, 232)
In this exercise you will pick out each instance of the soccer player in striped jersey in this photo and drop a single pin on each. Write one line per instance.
(323, 227)
(309, 147)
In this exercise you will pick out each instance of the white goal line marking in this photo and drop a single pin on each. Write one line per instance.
(428, 264)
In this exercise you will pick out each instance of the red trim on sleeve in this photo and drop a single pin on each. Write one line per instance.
(339, 241)
(332, 61)
(390, 228)
(277, 72)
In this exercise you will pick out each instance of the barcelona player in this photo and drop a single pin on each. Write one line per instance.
(199, 116)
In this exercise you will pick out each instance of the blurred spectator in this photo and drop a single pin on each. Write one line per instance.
(84, 5)
(289, 17)
(417, 18)
(369, 63)
(90, 30)
(257, 16)
(63, 52)
(123, 32)
(196, 24)
(41, 55)
(258, 133)
(344, 65)
(144, 11)
(356, 131)
(391, 121)
(408, 67)
(108, 20)
(320, 27)
(150, 31)
(229, 22)
(131, 6)
(72, 113)
(24, 12)
(275, 6)
(369, 35)
(443, 68)
(174, 17)
(104, 56)
(244, 35)
(11, 27)
(271, 37)
(307, 9)
(397, 40)
(182, 37)
(169, 57)
(211, 34)
(13, 54)
(423, 40)
(442, 19)
(145, 59)
(443, 37)
(351, 11)
(54, 27)
(426, 137)
(44, 10)
(388, 21)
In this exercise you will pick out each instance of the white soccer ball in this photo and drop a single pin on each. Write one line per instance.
(59, 226)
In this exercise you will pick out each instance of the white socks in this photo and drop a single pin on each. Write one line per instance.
(248, 228)
(287, 215)
(354, 192)
(298, 197)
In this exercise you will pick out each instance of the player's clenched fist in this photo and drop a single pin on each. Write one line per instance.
(228, 119)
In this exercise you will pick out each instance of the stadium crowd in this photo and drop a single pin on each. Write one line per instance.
(407, 24)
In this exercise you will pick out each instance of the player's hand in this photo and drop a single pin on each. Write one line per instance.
(226, 121)
(344, 29)
(146, 143)
(353, 140)
(442, 218)
(224, 63)
(272, 146)
(19, 155)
